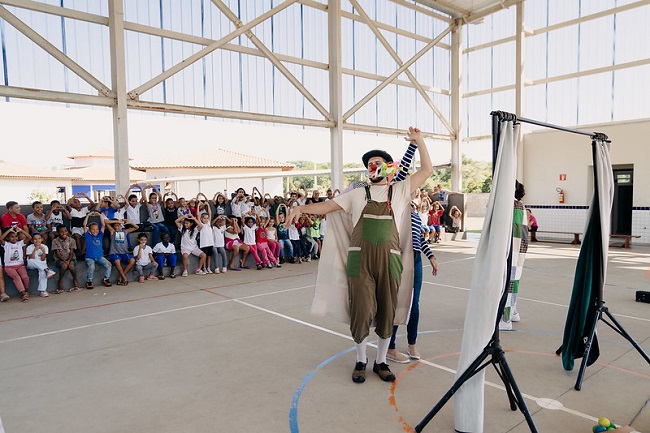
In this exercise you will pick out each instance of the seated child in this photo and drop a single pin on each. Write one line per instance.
(165, 253)
(272, 238)
(93, 234)
(532, 225)
(435, 214)
(118, 253)
(234, 244)
(54, 217)
(63, 247)
(38, 222)
(456, 216)
(12, 241)
(249, 239)
(37, 259)
(77, 215)
(262, 244)
(144, 261)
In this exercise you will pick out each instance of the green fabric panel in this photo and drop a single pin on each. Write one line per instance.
(515, 286)
(353, 266)
(517, 225)
(376, 231)
(396, 267)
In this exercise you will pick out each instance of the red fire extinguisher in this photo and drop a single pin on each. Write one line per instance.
(560, 196)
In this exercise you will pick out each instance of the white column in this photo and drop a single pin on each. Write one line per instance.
(456, 97)
(336, 104)
(118, 77)
(519, 85)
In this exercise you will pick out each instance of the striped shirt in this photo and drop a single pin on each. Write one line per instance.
(419, 243)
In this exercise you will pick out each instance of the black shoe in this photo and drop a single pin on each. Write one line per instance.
(384, 372)
(359, 372)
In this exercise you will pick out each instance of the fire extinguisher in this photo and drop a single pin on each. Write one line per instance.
(560, 195)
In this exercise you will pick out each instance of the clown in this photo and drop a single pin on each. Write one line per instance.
(367, 255)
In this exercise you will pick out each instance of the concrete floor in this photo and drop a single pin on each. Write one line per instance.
(241, 353)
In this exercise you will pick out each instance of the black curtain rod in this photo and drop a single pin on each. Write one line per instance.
(502, 115)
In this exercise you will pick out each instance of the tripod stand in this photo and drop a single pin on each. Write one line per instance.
(492, 354)
(616, 327)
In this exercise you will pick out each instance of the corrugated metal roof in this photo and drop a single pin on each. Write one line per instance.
(14, 171)
(219, 158)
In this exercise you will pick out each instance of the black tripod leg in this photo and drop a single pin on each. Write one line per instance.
(627, 336)
(511, 398)
(585, 356)
(474, 368)
(503, 364)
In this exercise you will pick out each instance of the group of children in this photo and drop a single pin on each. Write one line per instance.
(242, 225)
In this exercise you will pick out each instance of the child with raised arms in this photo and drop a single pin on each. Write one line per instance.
(189, 228)
(14, 258)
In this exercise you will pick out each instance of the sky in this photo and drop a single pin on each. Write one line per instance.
(44, 135)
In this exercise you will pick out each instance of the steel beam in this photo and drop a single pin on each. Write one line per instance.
(118, 76)
(334, 39)
(54, 51)
(54, 96)
(274, 60)
(395, 74)
(390, 131)
(57, 10)
(225, 114)
(398, 60)
(207, 50)
(456, 122)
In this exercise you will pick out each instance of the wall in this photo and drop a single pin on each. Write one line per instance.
(20, 189)
(549, 153)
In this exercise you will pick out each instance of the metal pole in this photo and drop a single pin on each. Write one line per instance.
(519, 85)
(336, 104)
(456, 95)
(118, 76)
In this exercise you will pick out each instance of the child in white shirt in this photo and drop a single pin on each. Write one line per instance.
(37, 259)
(144, 261)
(165, 252)
(14, 259)
(206, 239)
(189, 227)
(219, 247)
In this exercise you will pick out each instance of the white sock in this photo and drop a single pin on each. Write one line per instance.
(382, 349)
(361, 351)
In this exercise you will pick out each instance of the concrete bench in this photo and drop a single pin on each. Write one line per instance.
(626, 239)
(576, 236)
(11, 290)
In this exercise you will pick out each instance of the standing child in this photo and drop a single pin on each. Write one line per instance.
(93, 235)
(63, 247)
(234, 244)
(206, 239)
(165, 252)
(144, 261)
(118, 253)
(286, 247)
(170, 213)
(14, 259)
(249, 239)
(262, 244)
(37, 259)
(219, 247)
(314, 229)
(189, 228)
(37, 222)
(272, 238)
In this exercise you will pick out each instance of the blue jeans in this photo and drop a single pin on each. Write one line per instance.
(101, 261)
(157, 228)
(220, 252)
(414, 317)
(285, 244)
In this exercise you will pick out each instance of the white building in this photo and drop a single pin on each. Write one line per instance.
(25, 183)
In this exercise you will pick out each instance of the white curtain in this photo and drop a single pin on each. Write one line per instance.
(488, 280)
(605, 179)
